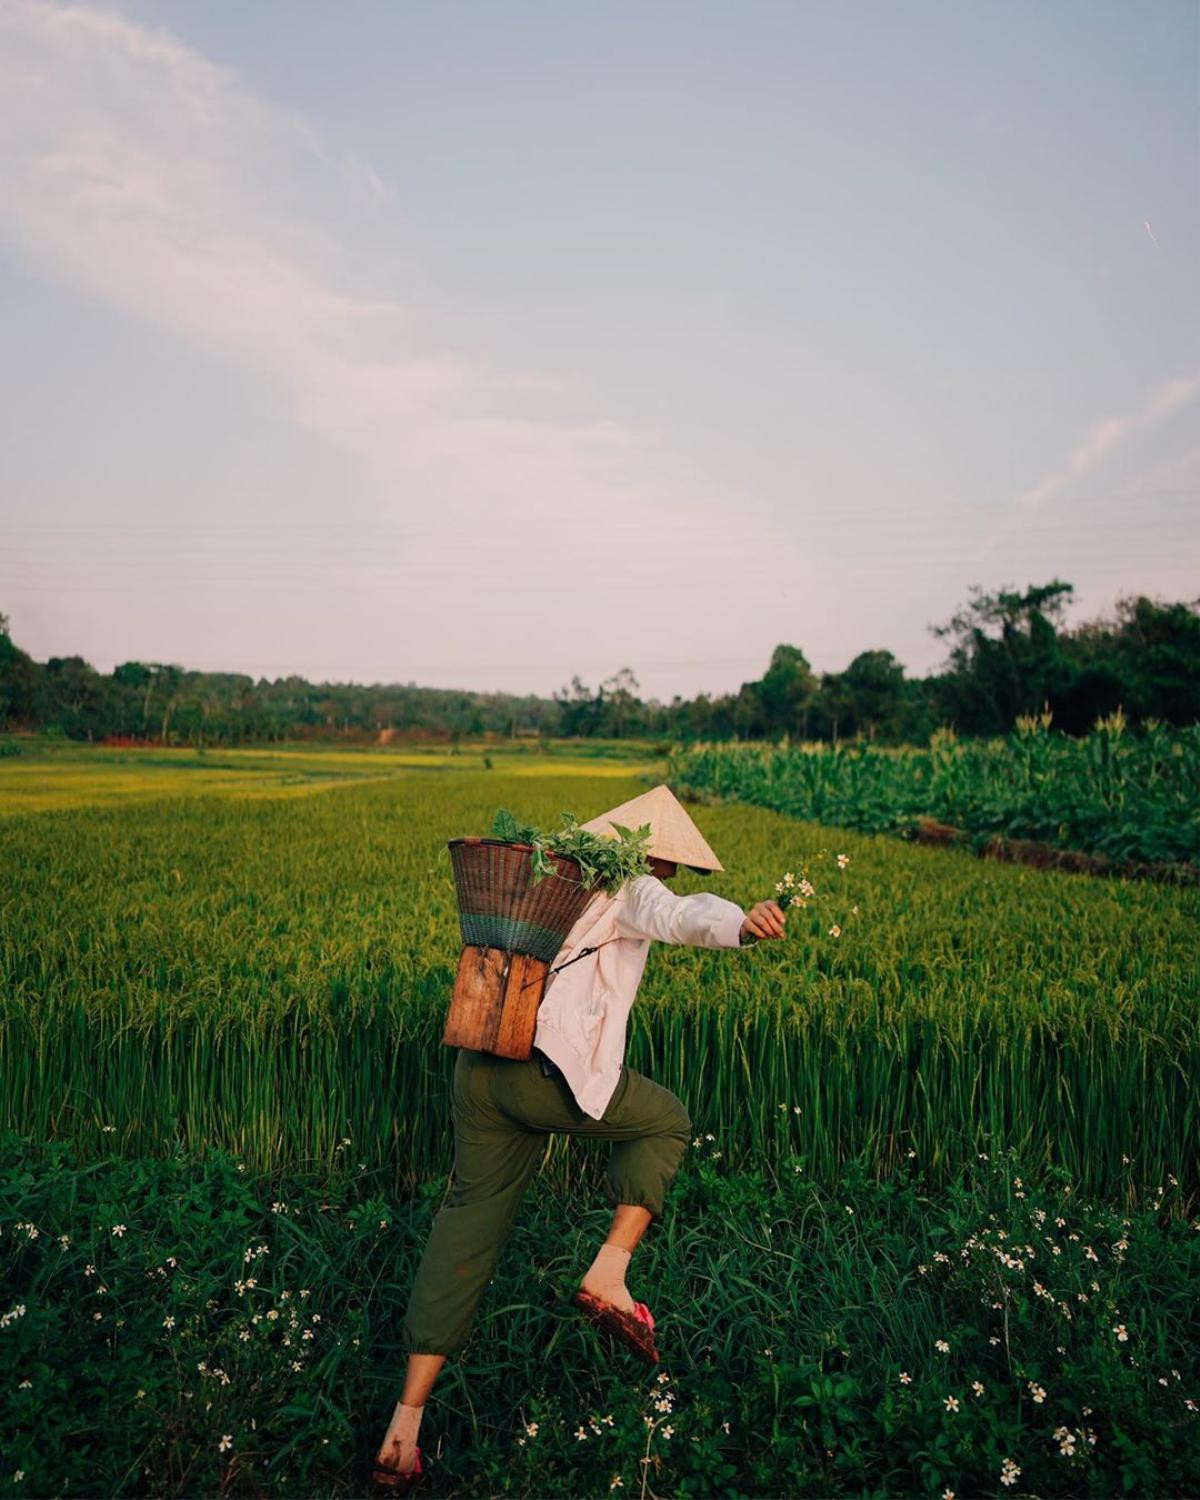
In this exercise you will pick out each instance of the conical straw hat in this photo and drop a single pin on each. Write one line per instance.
(673, 835)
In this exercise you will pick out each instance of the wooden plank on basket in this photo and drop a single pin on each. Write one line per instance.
(478, 1001)
(522, 995)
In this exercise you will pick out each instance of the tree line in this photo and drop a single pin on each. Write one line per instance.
(1008, 653)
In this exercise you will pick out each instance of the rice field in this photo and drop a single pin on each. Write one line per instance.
(46, 777)
(938, 1231)
(271, 975)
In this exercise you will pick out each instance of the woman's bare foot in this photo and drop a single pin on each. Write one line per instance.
(398, 1450)
(605, 1278)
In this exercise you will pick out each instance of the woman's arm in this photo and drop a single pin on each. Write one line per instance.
(649, 910)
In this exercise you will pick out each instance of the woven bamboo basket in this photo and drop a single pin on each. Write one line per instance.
(511, 931)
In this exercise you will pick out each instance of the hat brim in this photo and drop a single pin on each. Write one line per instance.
(675, 837)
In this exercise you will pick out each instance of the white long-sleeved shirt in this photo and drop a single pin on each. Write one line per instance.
(584, 1011)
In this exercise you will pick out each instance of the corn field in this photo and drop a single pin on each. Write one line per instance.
(272, 976)
(1109, 793)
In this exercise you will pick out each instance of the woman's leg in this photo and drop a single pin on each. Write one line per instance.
(628, 1225)
(650, 1129)
(494, 1159)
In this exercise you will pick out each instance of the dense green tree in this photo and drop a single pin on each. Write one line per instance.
(1004, 657)
(580, 710)
(786, 692)
(1159, 651)
(77, 701)
(621, 710)
(21, 682)
(1009, 654)
(873, 687)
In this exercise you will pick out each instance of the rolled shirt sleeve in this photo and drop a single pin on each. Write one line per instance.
(650, 910)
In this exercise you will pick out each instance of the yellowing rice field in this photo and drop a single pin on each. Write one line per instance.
(46, 780)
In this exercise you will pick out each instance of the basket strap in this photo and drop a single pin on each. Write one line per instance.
(583, 953)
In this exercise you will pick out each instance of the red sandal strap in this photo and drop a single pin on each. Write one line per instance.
(643, 1313)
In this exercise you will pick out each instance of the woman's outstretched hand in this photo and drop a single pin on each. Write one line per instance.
(765, 920)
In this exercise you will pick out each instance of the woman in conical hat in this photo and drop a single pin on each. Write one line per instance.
(577, 1082)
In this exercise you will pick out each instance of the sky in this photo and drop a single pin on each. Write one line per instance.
(483, 345)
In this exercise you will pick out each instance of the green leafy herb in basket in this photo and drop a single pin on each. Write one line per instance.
(603, 861)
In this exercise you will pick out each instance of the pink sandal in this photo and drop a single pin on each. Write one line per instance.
(388, 1481)
(635, 1330)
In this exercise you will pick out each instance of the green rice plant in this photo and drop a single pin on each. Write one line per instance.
(272, 976)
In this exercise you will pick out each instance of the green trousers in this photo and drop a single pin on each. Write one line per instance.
(503, 1110)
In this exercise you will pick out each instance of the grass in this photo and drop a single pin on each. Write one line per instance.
(799, 1329)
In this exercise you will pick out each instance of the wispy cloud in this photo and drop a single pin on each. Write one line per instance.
(157, 181)
(1103, 438)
